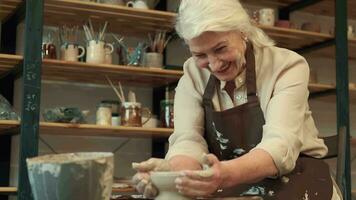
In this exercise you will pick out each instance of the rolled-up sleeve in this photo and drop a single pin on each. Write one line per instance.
(285, 115)
(187, 138)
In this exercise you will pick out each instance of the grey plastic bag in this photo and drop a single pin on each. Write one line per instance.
(6, 111)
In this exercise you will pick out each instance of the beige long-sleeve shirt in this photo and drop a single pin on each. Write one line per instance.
(282, 86)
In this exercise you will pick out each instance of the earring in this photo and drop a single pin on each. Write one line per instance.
(245, 38)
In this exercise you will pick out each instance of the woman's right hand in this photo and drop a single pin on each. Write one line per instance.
(142, 180)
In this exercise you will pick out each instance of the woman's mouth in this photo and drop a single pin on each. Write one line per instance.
(223, 70)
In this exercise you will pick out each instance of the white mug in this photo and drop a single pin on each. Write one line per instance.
(96, 51)
(137, 4)
(70, 52)
(266, 17)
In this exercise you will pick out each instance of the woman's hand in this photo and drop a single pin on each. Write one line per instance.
(142, 180)
(203, 182)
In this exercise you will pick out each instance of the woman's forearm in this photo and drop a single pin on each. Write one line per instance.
(252, 167)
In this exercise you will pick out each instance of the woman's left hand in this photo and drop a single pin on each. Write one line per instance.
(201, 183)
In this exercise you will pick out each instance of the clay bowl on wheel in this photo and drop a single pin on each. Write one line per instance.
(164, 181)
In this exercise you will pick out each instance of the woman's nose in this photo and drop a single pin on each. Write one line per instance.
(214, 63)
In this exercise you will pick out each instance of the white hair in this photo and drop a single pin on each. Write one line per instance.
(198, 16)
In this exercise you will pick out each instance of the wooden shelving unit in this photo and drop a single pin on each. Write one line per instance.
(139, 22)
(47, 128)
(89, 73)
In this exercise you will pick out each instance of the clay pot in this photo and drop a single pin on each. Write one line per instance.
(164, 181)
(71, 176)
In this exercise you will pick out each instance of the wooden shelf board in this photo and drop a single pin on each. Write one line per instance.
(330, 51)
(294, 38)
(95, 130)
(48, 128)
(94, 73)
(8, 126)
(7, 7)
(121, 19)
(8, 190)
(325, 7)
(8, 62)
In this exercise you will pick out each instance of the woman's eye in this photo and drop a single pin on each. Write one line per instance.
(199, 56)
(220, 49)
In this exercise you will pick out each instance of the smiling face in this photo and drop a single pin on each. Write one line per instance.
(222, 53)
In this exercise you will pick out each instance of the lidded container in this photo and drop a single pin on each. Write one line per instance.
(103, 114)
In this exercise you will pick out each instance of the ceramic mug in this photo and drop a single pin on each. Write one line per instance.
(153, 59)
(131, 114)
(70, 52)
(141, 4)
(96, 51)
(266, 16)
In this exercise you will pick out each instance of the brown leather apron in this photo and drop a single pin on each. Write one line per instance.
(234, 132)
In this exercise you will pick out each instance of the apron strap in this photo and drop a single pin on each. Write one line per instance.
(210, 91)
(250, 73)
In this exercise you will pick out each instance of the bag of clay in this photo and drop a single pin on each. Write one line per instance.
(6, 111)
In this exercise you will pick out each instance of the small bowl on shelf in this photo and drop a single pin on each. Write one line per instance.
(64, 115)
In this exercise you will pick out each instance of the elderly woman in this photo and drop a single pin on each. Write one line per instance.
(246, 102)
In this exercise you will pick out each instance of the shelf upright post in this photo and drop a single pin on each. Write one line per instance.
(342, 98)
(8, 45)
(31, 89)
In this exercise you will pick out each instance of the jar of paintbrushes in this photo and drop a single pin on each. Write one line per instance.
(131, 111)
(154, 55)
(97, 49)
(70, 49)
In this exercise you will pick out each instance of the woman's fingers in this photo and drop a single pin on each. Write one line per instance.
(203, 175)
(195, 187)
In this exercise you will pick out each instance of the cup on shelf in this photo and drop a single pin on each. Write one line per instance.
(266, 17)
(72, 52)
(96, 51)
(153, 59)
(131, 114)
(141, 4)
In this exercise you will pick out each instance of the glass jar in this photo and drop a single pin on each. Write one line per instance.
(167, 114)
(103, 114)
(115, 106)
